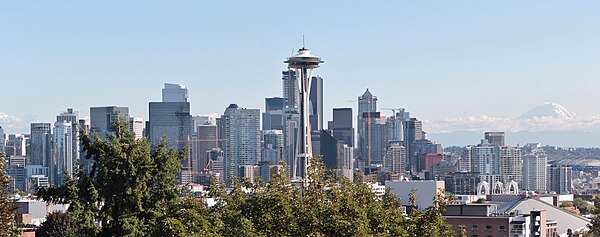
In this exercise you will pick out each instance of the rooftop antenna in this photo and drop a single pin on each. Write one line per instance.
(303, 41)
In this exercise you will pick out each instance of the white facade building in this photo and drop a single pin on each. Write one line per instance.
(63, 152)
(395, 159)
(535, 172)
(242, 138)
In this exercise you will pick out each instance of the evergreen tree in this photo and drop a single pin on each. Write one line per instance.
(8, 224)
(59, 224)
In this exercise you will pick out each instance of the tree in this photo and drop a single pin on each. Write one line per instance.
(59, 224)
(594, 226)
(128, 189)
(8, 223)
(131, 191)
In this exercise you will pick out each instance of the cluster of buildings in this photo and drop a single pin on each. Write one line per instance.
(491, 167)
(366, 144)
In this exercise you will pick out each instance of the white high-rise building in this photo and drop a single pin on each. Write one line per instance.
(242, 138)
(63, 152)
(485, 159)
(174, 93)
(534, 171)
(72, 117)
(136, 125)
(511, 164)
(395, 158)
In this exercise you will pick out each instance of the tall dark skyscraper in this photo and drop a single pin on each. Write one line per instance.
(272, 118)
(496, 138)
(374, 138)
(316, 103)
(342, 128)
(41, 144)
(290, 89)
(413, 131)
(274, 104)
(367, 106)
(171, 120)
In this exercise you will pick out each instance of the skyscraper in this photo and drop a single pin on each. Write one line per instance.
(343, 129)
(272, 150)
(367, 106)
(171, 118)
(102, 120)
(290, 89)
(205, 140)
(241, 138)
(485, 158)
(272, 118)
(174, 93)
(334, 158)
(374, 139)
(395, 159)
(63, 161)
(41, 144)
(316, 103)
(496, 138)
(413, 131)
(274, 103)
(560, 179)
(511, 164)
(535, 171)
(72, 117)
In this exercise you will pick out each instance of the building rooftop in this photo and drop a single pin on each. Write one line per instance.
(565, 219)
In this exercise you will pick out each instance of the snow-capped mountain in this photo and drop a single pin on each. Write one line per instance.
(548, 110)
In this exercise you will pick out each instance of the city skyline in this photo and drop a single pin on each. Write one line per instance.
(438, 62)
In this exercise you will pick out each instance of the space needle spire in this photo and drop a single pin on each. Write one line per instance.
(303, 64)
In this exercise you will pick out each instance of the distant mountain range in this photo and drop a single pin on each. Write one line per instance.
(548, 110)
(547, 123)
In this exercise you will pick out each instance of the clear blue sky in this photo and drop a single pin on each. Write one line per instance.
(436, 58)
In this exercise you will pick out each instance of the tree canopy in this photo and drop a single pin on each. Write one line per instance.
(131, 191)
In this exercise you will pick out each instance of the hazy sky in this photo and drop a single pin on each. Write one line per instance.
(438, 59)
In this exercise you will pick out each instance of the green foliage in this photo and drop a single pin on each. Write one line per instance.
(594, 226)
(131, 191)
(59, 224)
(8, 224)
(583, 206)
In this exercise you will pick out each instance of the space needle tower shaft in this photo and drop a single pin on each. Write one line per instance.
(303, 64)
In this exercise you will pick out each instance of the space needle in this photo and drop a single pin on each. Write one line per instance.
(303, 64)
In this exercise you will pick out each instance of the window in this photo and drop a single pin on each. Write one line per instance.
(474, 227)
(502, 228)
(488, 227)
